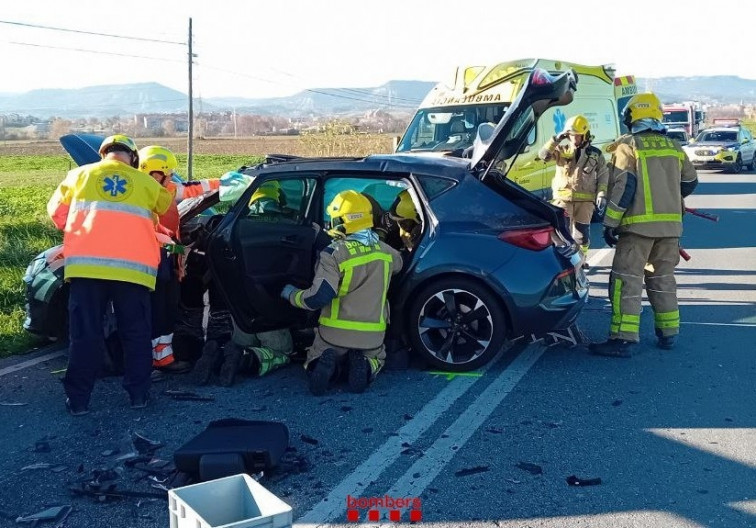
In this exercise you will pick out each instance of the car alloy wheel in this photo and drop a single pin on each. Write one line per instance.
(738, 165)
(458, 326)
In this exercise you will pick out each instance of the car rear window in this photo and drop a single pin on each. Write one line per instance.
(433, 185)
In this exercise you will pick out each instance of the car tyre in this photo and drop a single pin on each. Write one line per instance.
(737, 166)
(457, 324)
(752, 165)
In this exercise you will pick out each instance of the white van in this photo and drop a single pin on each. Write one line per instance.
(447, 120)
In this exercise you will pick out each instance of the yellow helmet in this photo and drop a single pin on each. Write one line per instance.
(157, 159)
(120, 142)
(269, 189)
(577, 125)
(642, 106)
(403, 208)
(350, 212)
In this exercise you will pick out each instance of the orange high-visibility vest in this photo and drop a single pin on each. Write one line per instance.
(107, 211)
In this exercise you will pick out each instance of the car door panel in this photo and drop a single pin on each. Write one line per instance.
(253, 257)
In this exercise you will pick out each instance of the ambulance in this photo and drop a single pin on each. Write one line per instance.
(447, 120)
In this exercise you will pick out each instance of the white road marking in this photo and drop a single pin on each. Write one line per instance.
(32, 362)
(745, 325)
(598, 256)
(357, 481)
(443, 450)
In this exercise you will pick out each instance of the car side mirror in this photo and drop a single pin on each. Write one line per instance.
(744, 141)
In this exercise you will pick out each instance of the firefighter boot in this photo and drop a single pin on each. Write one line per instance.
(324, 370)
(665, 342)
(612, 348)
(362, 370)
(264, 360)
(207, 364)
(233, 356)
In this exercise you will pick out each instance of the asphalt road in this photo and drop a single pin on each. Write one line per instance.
(671, 434)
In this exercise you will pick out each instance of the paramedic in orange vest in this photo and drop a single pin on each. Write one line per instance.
(161, 164)
(107, 212)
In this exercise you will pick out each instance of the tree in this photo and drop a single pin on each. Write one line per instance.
(60, 127)
(169, 127)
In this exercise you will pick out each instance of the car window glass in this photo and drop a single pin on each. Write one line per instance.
(383, 191)
(285, 199)
(433, 186)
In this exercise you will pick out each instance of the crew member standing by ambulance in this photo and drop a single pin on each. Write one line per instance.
(107, 213)
(579, 185)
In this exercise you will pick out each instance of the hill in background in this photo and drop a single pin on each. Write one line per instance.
(394, 96)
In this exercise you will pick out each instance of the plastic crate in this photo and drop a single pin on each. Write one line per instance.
(231, 502)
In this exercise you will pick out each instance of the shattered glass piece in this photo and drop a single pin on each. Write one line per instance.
(144, 445)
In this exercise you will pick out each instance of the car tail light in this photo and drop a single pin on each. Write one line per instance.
(533, 239)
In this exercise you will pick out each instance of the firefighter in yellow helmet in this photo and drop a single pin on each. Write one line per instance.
(160, 163)
(403, 212)
(650, 175)
(579, 185)
(351, 281)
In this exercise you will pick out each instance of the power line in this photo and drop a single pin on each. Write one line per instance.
(143, 39)
(84, 50)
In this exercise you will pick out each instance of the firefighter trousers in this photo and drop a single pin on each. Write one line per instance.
(87, 302)
(580, 214)
(320, 345)
(640, 259)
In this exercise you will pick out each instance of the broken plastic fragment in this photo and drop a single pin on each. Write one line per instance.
(144, 445)
(12, 404)
(572, 480)
(470, 471)
(533, 469)
(38, 465)
(57, 514)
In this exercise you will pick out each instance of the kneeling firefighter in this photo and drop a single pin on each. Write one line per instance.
(351, 282)
(579, 185)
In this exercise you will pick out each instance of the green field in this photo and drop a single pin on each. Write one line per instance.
(26, 184)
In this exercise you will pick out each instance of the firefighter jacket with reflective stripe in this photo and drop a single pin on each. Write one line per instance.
(650, 175)
(107, 211)
(580, 173)
(356, 277)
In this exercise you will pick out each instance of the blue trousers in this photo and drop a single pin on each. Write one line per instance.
(88, 299)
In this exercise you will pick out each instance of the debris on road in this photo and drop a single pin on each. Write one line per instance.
(308, 440)
(533, 469)
(42, 446)
(494, 430)
(38, 465)
(572, 480)
(471, 471)
(180, 395)
(110, 452)
(56, 514)
(144, 445)
(13, 404)
(616, 403)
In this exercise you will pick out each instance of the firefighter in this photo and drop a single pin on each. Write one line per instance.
(403, 212)
(650, 176)
(161, 164)
(579, 185)
(229, 352)
(106, 211)
(351, 282)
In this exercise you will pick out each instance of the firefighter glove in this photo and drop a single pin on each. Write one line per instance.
(287, 291)
(601, 202)
(610, 236)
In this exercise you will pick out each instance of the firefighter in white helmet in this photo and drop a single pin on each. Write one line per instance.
(579, 185)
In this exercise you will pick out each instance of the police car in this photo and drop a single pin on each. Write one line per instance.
(727, 146)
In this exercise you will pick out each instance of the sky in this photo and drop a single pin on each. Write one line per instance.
(268, 48)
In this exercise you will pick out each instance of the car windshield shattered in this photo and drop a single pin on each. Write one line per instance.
(448, 128)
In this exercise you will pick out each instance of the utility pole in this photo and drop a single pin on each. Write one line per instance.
(190, 138)
(234, 122)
